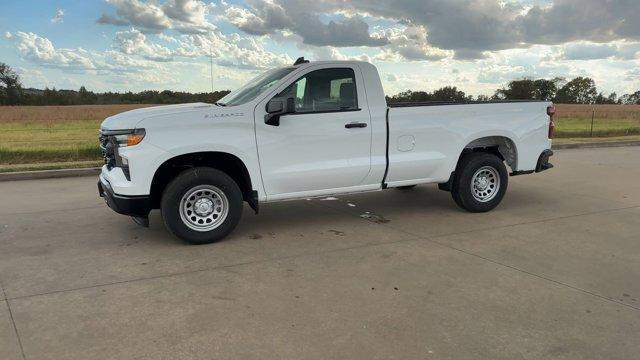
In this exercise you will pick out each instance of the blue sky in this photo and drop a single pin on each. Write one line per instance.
(132, 45)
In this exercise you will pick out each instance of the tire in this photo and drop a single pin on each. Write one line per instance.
(480, 182)
(408, 187)
(201, 205)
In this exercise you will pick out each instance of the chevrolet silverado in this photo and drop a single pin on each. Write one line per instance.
(307, 130)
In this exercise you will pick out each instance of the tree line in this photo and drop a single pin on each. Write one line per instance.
(580, 90)
(12, 93)
(86, 97)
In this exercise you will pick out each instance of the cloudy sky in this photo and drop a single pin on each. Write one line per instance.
(477, 45)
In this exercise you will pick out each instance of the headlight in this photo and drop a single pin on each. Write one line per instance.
(129, 139)
(112, 140)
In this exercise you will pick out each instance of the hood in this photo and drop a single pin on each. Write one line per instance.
(129, 119)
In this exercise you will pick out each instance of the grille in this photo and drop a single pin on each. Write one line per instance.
(108, 150)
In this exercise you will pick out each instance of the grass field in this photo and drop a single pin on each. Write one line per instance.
(608, 120)
(52, 134)
(62, 113)
(62, 134)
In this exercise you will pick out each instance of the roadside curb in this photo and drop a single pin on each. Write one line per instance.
(596, 145)
(62, 173)
(48, 174)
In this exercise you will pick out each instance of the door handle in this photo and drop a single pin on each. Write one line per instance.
(355, 125)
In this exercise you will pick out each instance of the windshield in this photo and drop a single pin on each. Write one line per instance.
(255, 87)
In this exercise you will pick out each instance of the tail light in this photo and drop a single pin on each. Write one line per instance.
(551, 111)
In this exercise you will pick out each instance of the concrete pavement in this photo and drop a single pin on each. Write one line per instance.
(551, 273)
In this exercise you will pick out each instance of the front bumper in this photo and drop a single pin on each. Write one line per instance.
(138, 206)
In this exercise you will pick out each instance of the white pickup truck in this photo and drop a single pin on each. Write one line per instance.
(307, 130)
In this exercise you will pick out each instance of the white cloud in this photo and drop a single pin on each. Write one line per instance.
(633, 75)
(268, 17)
(628, 50)
(185, 16)
(134, 12)
(34, 78)
(497, 74)
(58, 17)
(167, 38)
(231, 50)
(189, 16)
(8, 35)
(318, 53)
(42, 51)
(133, 42)
(409, 43)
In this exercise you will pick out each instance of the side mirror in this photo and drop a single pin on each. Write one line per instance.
(277, 107)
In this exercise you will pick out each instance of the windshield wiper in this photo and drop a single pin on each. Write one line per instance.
(219, 104)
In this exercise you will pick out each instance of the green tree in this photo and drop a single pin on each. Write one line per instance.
(518, 90)
(547, 89)
(444, 94)
(10, 87)
(528, 89)
(410, 96)
(631, 99)
(581, 90)
(611, 99)
(449, 94)
(86, 97)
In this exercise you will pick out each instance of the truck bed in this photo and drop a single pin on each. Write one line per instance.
(425, 139)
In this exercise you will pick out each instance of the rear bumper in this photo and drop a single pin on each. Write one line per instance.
(543, 161)
(542, 165)
(127, 205)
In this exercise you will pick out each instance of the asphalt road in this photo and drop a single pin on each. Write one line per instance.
(554, 272)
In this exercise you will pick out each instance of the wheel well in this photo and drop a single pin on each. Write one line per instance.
(501, 146)
(225, 162)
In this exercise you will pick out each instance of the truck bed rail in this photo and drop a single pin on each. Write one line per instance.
(440, 103)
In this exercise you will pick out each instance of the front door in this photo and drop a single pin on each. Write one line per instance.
(326, 143)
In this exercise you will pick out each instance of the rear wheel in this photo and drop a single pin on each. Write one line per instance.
(480, 182)
(201, 205)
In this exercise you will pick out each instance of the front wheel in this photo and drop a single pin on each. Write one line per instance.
(480, 182)
(201, 205)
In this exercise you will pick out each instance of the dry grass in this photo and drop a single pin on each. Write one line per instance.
(58, 113)
(579, 111)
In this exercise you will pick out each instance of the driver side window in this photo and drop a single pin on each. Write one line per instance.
(324, 90)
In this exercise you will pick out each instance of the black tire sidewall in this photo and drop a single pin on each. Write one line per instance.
(187, 180)
(461, 190)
